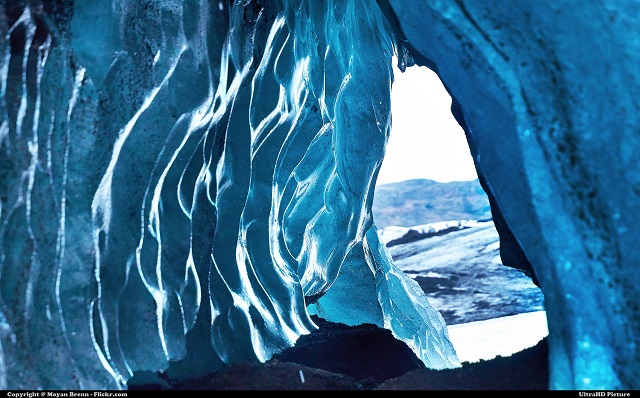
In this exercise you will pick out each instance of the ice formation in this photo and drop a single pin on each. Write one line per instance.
(547, 94)
(182, 181)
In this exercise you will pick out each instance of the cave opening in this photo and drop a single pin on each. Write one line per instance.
(435, 219)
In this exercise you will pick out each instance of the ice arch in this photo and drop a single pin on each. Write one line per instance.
(546, 95)
(181, 180)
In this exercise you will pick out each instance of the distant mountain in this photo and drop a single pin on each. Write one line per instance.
(417, 202)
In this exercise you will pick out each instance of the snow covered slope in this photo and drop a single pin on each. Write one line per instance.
(461, 273)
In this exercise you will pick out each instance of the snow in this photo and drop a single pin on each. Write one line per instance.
(463, 277)
(504, 336)
(490, 309)
(390, 233)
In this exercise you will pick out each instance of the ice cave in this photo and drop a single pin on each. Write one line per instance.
(182, 181)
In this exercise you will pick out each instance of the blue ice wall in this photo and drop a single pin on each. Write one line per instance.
(548, 93)
(182, 182)
(179, 180)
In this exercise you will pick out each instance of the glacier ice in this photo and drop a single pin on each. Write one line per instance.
(181, 179)
(547, 94)
(182, 182)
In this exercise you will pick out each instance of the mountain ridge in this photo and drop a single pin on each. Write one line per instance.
(423, 201)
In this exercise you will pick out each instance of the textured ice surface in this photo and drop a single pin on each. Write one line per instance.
(547, 93)
(180, 179)
(399, 304)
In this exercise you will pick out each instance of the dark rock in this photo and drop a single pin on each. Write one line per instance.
(525, 370)
(412, 235)
(272, 375)
(367, 353)
(365, 357)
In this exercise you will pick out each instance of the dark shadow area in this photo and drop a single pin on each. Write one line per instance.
(363, 357)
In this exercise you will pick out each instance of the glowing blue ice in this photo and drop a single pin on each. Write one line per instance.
(547, 94)
(181, 182)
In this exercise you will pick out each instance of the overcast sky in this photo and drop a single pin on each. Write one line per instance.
(425, 141)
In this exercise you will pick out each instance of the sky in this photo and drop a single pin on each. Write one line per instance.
(425, 140)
